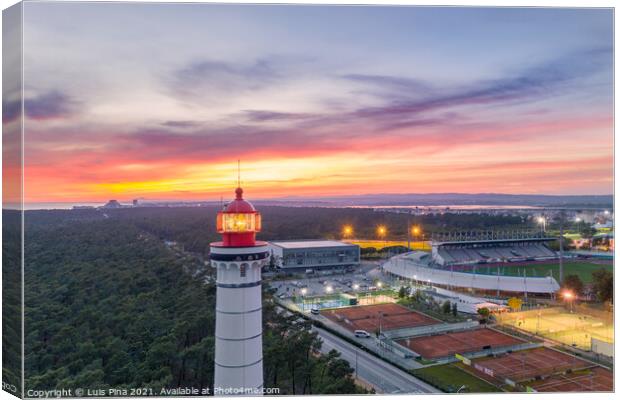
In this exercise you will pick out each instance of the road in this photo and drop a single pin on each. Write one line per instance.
(384, 377)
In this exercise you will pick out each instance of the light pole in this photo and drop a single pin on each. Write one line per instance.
(416, 233)
(568, 296)
(347, 231)
(561, 247)
(408, 233)
(543, 224)
(381, 232)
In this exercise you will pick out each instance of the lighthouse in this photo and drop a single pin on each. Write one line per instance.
(238, 259)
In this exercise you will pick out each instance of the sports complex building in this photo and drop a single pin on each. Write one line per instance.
(314, 254)
(485, 265)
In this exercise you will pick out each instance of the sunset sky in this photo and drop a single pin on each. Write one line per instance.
(160, 100)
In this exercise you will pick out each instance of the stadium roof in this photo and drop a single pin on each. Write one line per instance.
(494, 241)
(303, 244)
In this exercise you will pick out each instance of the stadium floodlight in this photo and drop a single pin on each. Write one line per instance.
(543, 222)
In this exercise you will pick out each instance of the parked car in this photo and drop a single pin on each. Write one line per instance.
(315, 311)
(362, 334)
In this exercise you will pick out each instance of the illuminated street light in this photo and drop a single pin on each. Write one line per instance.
(568, 296)
(379, 284)
(606, 212)
(347, 231)
(329, 289)
(356, 286)
(304, 291)
(381, 231)
(577, 219)
(415, 230)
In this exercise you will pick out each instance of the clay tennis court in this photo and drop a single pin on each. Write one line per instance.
(370, 318)
(597, 379)
(447, 344)
(528, 364)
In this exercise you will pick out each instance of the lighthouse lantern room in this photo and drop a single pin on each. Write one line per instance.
(238, 259)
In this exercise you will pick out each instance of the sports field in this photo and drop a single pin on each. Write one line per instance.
(572, 329)
(370, 318)
(597, 379)
(372, 299)
(449, 378)
(583, 269)
(447, 344)
(380, 244)
(527, 364)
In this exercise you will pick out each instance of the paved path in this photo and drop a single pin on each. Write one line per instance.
(384, 377)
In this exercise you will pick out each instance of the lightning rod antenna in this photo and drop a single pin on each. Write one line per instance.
(239, 173)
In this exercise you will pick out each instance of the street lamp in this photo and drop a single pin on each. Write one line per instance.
(329, 289)
(304, 291)
(568, 296)
(381, 231)
(356, 286)
(379, 284)
(347, 231)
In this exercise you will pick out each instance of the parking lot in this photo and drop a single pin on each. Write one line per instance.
(368, 276)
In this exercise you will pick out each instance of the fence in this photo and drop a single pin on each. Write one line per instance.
(430, 329)
(498, 350)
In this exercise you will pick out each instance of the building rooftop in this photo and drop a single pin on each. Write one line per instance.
(302, 244)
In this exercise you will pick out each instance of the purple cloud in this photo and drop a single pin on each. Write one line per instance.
(50, 105)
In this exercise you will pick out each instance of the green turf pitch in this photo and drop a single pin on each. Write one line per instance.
(583, 269)
(450, 378)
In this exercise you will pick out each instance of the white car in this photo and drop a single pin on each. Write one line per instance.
(362, 334)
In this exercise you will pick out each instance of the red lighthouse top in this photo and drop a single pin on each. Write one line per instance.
(238, 222)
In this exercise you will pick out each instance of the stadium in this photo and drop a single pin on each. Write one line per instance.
(492, 263)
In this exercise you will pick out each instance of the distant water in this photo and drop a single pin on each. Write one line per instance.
(458, 207)
(57, 206)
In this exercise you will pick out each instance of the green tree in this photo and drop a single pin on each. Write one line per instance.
(446, 307)
(484, 314)
(454, 309)
(574, 284)
(603, 285)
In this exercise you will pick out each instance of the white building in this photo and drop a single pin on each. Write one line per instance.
(314, 254)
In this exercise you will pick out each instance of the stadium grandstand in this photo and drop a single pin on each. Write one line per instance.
(499, 250)
(479, 261)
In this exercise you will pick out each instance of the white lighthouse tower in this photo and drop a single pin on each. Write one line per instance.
(238, 324)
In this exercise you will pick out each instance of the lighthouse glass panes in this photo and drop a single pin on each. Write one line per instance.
(238, 222)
